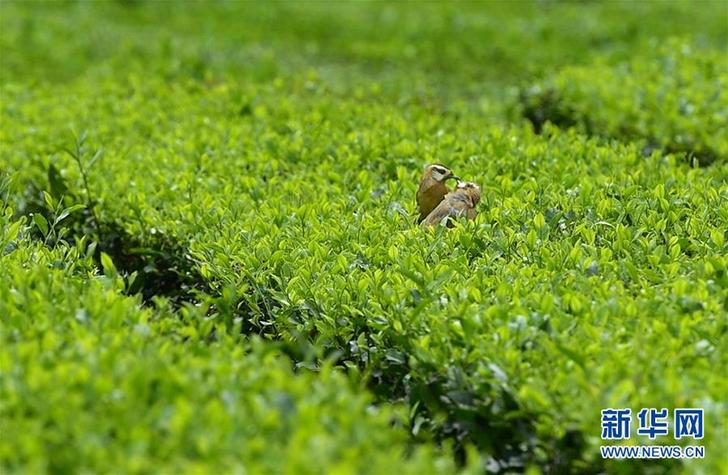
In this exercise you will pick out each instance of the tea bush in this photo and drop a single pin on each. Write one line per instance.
(92, 382)
(253, 193)
(674, 100)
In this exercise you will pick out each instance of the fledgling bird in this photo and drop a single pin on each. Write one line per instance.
(461, 202)
(432, 188)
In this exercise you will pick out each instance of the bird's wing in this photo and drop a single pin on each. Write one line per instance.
(448, 208)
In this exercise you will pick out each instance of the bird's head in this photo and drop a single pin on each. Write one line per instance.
(470, 189)
(440, 173)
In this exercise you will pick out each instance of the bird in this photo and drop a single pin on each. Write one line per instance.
(460, 202)
(432, 188)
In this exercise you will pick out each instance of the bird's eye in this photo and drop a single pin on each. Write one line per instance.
(441, 170)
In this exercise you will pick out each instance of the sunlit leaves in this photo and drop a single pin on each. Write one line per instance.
(671, 100)
(82, 363)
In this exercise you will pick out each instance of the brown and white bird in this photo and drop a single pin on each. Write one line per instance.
(461, 202)
(432, 188)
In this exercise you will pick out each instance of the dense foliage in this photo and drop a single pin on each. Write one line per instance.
(94, 383)
(210, 262)
(674, 99)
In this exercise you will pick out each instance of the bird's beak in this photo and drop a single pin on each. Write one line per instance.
(452, 177)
